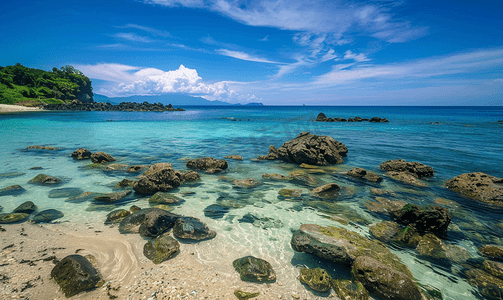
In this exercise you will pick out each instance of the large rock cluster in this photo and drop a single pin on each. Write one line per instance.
(162, 177)
(323, 118)
(123, 106)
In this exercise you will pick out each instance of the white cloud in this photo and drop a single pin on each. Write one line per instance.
(264, 39)
(152, 31)
(133, 37)
(244, 56)
(357, 57)
(129, 80)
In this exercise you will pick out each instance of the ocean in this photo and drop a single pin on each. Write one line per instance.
(453, 140)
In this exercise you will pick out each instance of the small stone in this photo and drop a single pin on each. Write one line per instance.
(254, 269)
(317, 279)
(245, 295)
(161, 248)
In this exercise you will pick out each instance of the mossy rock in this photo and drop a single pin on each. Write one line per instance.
(254, 269)
(317, 279)
(245, 295)
(161, 248)
(13, 218)
(26, 207)
(12, 190)
(165, 198)
(125, 183)
(350, 290)
(75, 274)
(489, 286)
(492, 251)
(43, 179)
(328, 191)
(246, 183)
(134, 208)
(116, 216)
(47, 216)
(494, 268)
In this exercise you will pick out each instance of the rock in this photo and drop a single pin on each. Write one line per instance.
(275, 177)
(215, 211)
(134, 208)
(406, 178)
(478, 186)
(494, 268)
(338, 212)
(317, 279)
(246, 183)
(161, 181)
(101, 157)
(43, 179)
(254, 269)
(384, 206)
(47, 216)
(235, 157)
(311, 149)
(418, 169)
(190, 176)
(124, 183)
(306, 166)
(75, 274)
(382, 192)
(364, 174)
(289, 193)
(488, 285)
(434, 219)
(8, 218)
(190, 228)
(384, 281)
(42, 148)
(214, 171)
(206, 163)
(156, 168)
(302, 177)
(321, 117)
(492, 251)
(431, 246)
(350, 290)
(136, 168)
(116, 216)
(12, 190)
(116, 167)
(81, 153)
(385, 231)
(11, 174)
(343, 246)
(261, 222)
(327, 191)
(26, 207)
(65, 192)
(149, 222)
(245, 295)
(112, 197)
(378, 120)
(161, 248)
(165, 198)
(87, 196)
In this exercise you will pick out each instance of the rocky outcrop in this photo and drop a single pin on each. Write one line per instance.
(81, 153)
(206, 163)
(364, 174)
(478, 186)
(75, 274)
(161, 248)
(156, 168)
(254, 269)
(47, 216)
(378, 120)
(149, 222)
(101, 157)
(123, 106)
(415, 168)
(433, 219)
(42, 179)
(317, 279)
(310, 149)
(189, 228)
(384, 281)
(323, 118)
(343, 246)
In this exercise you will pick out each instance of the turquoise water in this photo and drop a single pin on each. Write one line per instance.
(468, 139)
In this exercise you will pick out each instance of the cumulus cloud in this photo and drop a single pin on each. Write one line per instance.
(129, 80)
(244, 56)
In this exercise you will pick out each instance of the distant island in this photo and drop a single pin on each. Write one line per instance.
(166, 99)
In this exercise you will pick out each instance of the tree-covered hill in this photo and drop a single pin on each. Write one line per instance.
(26, 86)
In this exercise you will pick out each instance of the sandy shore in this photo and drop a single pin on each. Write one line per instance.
(7, 108)
(28, 253)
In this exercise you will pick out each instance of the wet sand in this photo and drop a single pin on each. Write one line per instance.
(7, 108)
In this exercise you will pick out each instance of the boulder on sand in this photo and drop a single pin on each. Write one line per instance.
(76, 274)
(254, 269)
(149, 222)
(161, 248)
(190, 228)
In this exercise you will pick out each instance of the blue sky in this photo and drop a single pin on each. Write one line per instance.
(274, 52)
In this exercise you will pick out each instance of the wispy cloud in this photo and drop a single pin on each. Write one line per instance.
(133, 37)
(264, 39)
(154, 32)
(357, 57)
(244, 56)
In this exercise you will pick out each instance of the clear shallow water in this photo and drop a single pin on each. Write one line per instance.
(466, 140)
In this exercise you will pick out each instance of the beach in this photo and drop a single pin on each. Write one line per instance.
(7, 108)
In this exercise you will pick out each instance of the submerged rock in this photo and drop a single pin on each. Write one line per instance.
(116, 216)
(301, 177)
(275, 177)
(65, 192)
(81, 153)
(207, 163)
(161, 181)
(235, 157)
(246, 183)
(116, 167)
(311, 149)
(26, 207)
(415, 168)
(364, 174)
(254, 269)
(8, 218)
(165, 198)
(149, 222)
(101, 157)
(431, 246)
(350, 290)
(190, 228)
(492, 251)
(434, 219)
(43, 179)
(156, 168)
(112, 197)
(12, 190)
(290, 194)
(384, 281)
(384, 206)
(136, 168)
(340, 245)
(488, 285)
(328, 191)
(317, 279)
(47, 216)
(75, 274)
(161, 248)
(42, 148)
(478, 186)
(190, 176)
(406, 178)
(124, 183)
(215, 211)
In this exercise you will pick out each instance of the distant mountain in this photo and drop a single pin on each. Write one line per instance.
(174, 99)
